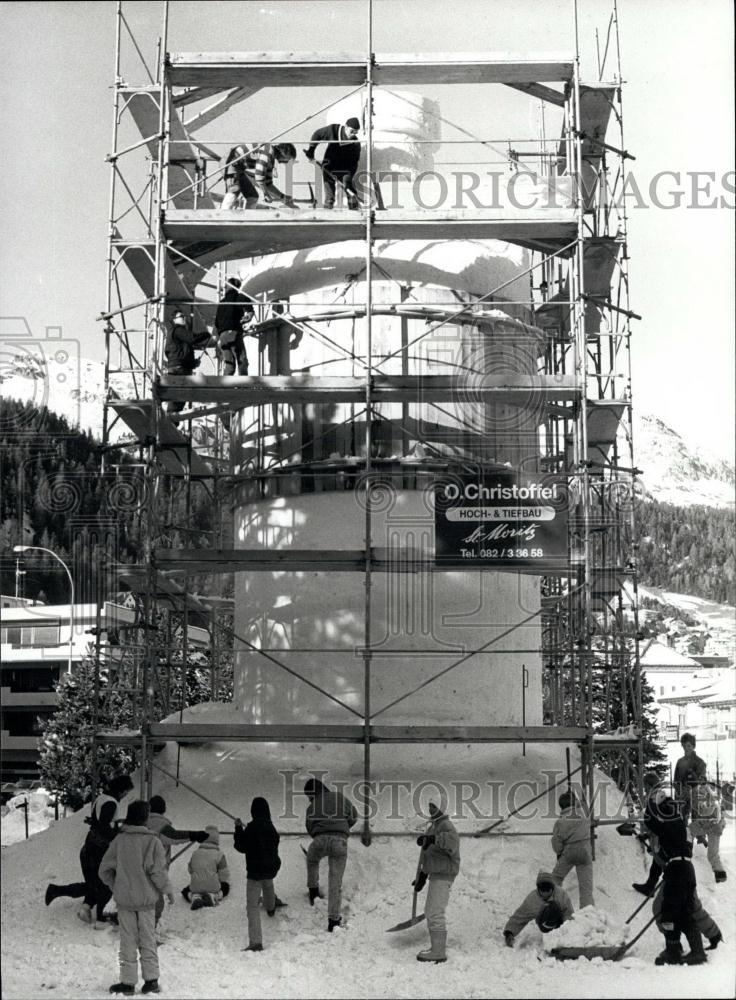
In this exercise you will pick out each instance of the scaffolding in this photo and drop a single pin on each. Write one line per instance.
(162, 185)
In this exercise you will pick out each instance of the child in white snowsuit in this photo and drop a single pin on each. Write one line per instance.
(439, 863)
(571, 844)
(134, 867)
(549, 905)
(210, 876)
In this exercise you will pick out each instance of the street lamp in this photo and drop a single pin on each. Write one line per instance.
(40, 548)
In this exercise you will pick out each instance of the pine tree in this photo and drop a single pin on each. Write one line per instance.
(66, 756)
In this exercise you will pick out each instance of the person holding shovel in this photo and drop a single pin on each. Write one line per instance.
(439, 865)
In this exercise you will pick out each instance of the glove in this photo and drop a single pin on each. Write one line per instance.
(225, 886)
(420, 881)
(170, 898)
(198, 836)
(425, 839)
(509, 939)
(309, 154)
(239, 824)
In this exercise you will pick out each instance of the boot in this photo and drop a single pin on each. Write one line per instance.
(332, 924)
(85, 913)
(436, 952)
(714, 941)
(52, 891)
(720, 877)
(254, 947)
(151, 986)
(696, 956)
(672, 954)
(314, 893)
(125, 988)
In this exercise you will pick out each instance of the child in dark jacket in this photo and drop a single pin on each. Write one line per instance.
(259, 842)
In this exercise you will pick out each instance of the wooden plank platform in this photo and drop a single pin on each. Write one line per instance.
(348, 69)
(255, 390)
(263, 231)
(333, 561)
(172, 448)
(285, 733)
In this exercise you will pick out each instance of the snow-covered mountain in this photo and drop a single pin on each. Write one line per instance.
(675, 473)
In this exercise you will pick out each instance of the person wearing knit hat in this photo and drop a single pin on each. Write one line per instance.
(571, 844)
(439, 865)
(548, 905)
(134, 867)
(259, 842)
(210, 876)
(340, 160)
(330, 817)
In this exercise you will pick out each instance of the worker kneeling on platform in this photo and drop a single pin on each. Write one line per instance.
(249, 174)
(179, 348)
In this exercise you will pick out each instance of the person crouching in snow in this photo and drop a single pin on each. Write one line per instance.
(160, 823)
(134, 867)
(548, 905)
(210, 880)
(259, 842)
(571, 844)
(439, 864)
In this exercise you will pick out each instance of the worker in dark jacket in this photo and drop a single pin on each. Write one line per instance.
(676, 901)
(232, 314)
(340, 160)
(330, 817)
(259, 842)
(690, 770)
(103, 824)
(179, 350)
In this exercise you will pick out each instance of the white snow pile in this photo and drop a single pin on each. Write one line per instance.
(589, 927)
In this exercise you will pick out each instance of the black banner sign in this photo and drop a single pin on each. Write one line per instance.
(503, 519)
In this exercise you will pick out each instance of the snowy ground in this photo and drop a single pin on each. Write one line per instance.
(47, 951)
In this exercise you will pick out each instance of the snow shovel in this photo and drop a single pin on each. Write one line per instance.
(414, 919)
(612, 953)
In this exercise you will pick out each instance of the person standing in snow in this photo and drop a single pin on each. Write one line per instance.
(210, 880)
(676, 902)
(103, 828)
(340, 160)
(259, 842)
(690, 770)
(134, 867)
(707, 825)
(330, 817)
(571, 844)
(160, 823)
(439, 864)
(548, 905)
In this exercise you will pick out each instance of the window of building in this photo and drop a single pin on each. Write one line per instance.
(31, 635)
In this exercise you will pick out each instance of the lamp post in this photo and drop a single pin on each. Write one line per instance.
(40, 548)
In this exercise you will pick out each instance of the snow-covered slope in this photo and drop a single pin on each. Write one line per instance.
(675, 473)
(47, 951)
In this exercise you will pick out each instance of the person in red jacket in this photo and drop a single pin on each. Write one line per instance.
(340, 160)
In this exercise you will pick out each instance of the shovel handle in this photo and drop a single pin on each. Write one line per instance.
(633, 941)
(416, 894)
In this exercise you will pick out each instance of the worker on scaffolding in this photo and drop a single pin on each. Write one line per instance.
(249, 173)
(233, 314)
(340, 160)
(179, 350)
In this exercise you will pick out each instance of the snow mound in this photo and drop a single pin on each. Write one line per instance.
(588, 927)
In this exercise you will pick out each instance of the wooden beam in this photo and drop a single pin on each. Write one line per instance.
(213, 112)
(540, 91)
(285, 733)
(286, 69)
(256, 390)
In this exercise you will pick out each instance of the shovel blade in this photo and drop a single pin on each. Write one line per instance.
(406, 924)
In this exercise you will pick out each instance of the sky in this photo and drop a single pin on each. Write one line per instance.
(56, 72)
